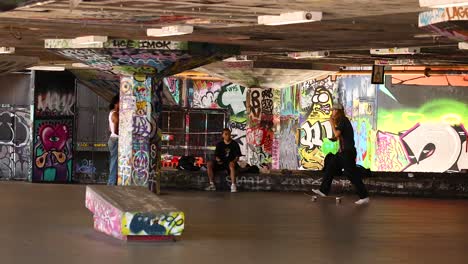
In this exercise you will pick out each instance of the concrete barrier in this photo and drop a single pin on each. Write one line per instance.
(133, 213)
(440, 185)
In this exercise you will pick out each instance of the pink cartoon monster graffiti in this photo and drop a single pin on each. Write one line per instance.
(52, 152)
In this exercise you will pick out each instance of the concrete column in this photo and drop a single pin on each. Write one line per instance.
(139, 132)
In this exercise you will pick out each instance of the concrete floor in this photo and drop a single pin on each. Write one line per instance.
(49, 224)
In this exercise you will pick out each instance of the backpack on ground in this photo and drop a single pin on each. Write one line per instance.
(187, 163)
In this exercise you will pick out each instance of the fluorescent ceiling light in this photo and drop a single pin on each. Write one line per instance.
(7, 50)
(169, 31)
(80, 65)
(47, 68)
(442, 3)
(290, 18)
(238, 58)
(86, 40)
(463, 45)
(427, 35)
(396, 62)
(309, 54)
(396, 51)
(40, 3)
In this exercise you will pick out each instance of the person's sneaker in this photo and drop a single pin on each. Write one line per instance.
(363, 201)
(318, 192)
(210, 187)
(233, 188)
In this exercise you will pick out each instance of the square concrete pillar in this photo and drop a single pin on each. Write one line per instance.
(139, 161)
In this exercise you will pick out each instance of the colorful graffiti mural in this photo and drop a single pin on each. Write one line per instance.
(286, 130)
(53, 150)
(127, 61)
(134, 129)
(406, 131)
(233, 97)
(288, 158)
(223, 95)
(173, 85)
(107, 218)
(311, 102)
(15, 143)
(205, 94)
(316, 108)
(54, 105)
(140, 133)
(359, 98)
(260, 135)
(431, 138)
(150, 224)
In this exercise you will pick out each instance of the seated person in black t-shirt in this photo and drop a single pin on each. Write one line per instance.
(227, 154)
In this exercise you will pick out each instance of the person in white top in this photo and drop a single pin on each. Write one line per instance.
(113, 142)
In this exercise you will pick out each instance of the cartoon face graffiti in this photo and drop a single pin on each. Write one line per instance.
(53, 140)
(52, 151)
(321, 103)
(53, 137)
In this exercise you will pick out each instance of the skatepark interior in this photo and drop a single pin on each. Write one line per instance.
(270, 71)
(41, 225)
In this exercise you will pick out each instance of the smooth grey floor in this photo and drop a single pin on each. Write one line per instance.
(49, 224)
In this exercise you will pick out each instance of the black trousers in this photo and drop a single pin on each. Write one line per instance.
(343, 160)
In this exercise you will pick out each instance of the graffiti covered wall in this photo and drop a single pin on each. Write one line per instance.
(15, 143)
(53, 150)
(134, 160)
(260, 135)
(16, 99)
(173, 85)
(422, 129)
(139, 132)
(413, 128)
(305, 110)
(204, 94)
(359, 99)
(54, 108)
(289, 127)
(315, 111)
(232, 96)
(223, 95)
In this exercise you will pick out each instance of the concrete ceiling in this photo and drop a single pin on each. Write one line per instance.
(11, 63)
(348, 29)
(254, 74)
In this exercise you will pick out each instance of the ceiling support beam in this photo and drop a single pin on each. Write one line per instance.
(427, 72)
(292, 65)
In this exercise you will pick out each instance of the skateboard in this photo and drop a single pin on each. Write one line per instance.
(315, 197)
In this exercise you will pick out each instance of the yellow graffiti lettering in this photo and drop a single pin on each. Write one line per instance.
(311, 159)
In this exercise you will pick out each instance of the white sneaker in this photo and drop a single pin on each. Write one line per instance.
(362, 201)
(233, 188)
(318, 192)
(210, 187)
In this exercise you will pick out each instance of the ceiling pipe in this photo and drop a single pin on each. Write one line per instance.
(426, 72)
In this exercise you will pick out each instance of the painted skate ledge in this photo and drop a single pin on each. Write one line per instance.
(133, 213)
(434, 185)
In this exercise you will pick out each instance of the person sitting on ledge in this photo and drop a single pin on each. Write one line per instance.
(227, 154)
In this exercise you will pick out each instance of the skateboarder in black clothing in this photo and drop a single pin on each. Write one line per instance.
(345, 158)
